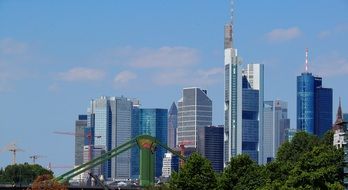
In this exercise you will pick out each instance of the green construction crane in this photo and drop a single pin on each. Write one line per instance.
(147, 145)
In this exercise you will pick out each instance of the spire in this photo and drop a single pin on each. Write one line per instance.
(306, 66)
(339, 118)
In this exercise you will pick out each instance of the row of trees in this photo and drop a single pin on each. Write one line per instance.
(306, 162)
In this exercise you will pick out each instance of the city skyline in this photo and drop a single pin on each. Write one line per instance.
(53, 63)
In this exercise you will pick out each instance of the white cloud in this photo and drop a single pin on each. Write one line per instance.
(282, 35)
(330, 65)
(163, 57)
(124, 77)
(202, 78)
(339, 29)
(82, 74)
(10, 46)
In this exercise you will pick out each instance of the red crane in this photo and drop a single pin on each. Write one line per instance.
(88, 135)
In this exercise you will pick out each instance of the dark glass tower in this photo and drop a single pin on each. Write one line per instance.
(210, 145)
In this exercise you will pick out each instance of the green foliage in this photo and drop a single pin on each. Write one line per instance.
(291, 151)
(241, 173)
(197, 173)
(306, 162)
(22, 173)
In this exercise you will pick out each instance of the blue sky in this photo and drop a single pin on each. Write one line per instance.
(55, 56)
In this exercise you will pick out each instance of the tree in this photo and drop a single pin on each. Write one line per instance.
(302, 142)
(22, 173)
(318, 169)
(46, 182)
(241, 173)
(197, 173)
(306, 162)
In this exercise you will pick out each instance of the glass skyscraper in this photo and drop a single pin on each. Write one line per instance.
(112, 123)
(314, 104)
(254, 75)
(233, 98)
(151, 122)
(210, 145)
(305, 102)
(194, 111)
(172, 125)
(276, 123)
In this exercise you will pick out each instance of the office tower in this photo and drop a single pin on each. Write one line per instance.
(210, 145)
(170, 164)
(250, 122)
(154, 122)
(233, 97)
(150, 122)
(135, 163)
(314, 103)
(276, 123)
(96, 152)
(323, 108)
(111, 120)
(254, 74)
(172, 125)
(80, 127)
(194, 111)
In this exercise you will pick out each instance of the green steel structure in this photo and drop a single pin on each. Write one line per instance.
(147, 145)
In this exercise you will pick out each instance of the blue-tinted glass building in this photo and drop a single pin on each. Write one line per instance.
(151, 122)
(250, 123)
(210, 145)
(323, 111)
(314, 105)
(305, 102)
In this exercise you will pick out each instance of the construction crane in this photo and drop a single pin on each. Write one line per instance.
(35, 157)
(88, 135)
(14, 149)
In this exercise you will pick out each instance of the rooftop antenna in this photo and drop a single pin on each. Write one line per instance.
(306, 67)
(231, 11)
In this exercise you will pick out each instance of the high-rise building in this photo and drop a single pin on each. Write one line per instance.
(170, 164)
(154, 122)
(210, 145)
(276, 123)
(233, 97)
(254, 74)
(250, 123)
(111, 120)
(172, 125)
(314, 104)
(96, 152)
(135, 154)
(80, 127)
(194, 111)
(151, 122)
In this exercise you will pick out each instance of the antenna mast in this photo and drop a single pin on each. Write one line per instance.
(306, 67)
